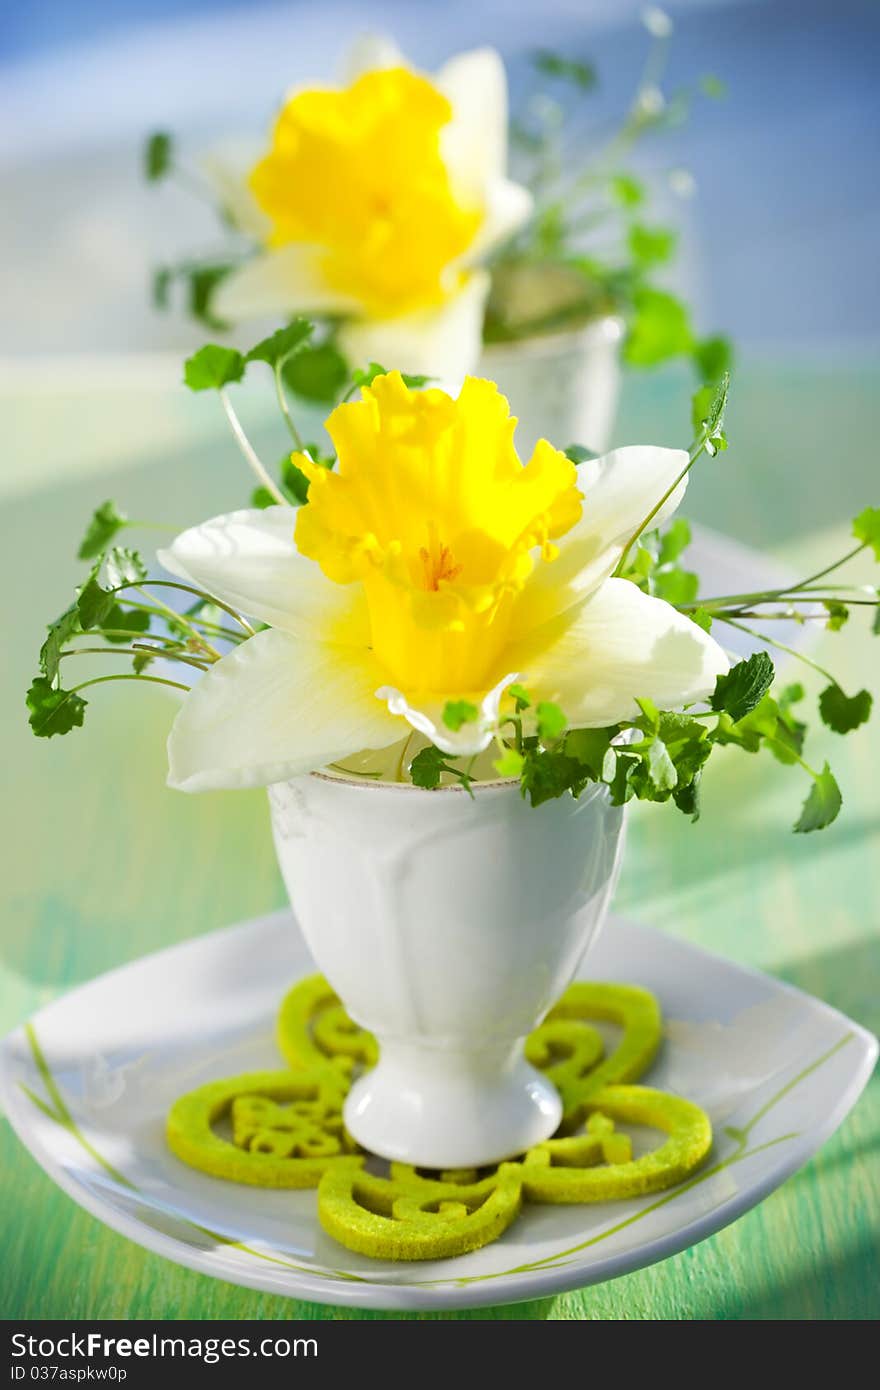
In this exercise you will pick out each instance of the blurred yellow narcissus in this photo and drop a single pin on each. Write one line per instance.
(377, 202)
(433, 565)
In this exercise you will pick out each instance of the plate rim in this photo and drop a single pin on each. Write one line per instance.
(506, 1287)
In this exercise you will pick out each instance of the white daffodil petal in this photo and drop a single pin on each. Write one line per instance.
(469, 739)
(248, 559)
(371, 53)
(619, 489)
(288, 280)
(442, 342)
(274, 708)
(227, 168)
(618, 646)
(507, 206)
(474, 143)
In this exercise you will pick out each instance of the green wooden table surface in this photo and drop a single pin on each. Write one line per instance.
(103, 864)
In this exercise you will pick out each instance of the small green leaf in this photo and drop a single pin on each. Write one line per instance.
(627, 191)
(838, 614)
(125, 620)
(510, 763)
(458, 712)
(547, 775)
(687, 798)
(651, 245)
(702, 617)
(713, 357)
(59, 634)
(157, 156)
(53, 711)
(578, 454)
(843, 713)
(822, 805)
(660, 328)
(160, 287)
(211, 367)
(674, 541)
(660, 767)
(676, 585)
(713, 86)
(426, 767)
(203, 281)
(282, 344)
(708, 408)
(744, 686)
(866, 528)
(317, 373)
(105, 523)
(589, 747)
(520, 695)
(551, 721)
(581, 73)
(96, 600)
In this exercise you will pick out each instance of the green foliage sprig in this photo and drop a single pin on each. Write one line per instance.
(119, 610)
(591, 246)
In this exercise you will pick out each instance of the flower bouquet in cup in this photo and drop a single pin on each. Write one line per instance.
(417, 225)
(452, 669)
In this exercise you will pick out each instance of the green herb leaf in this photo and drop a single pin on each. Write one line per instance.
(96, 600)
(676, 585)
(713, 357)
(283, 343)
(674, 541)
(549, 774)
(203, 281)
(53, 711)
(627, 191)
(578, 454)
(426, 767)
(744, 686)
(510, 763)
(105, 523)
(520, 695)
(590, 747)
(581, 73)
(59, 634)
(843, 713)
(458, 712)
(660, 328)
(822, 805)
(838, 614)
(160, 286)
(866, 528)
(551, 721)
(125, 620)
(651, 245)
(702, 617)
(317, 374)
(708, 409)
(211, 367)
(713, 86)
(157, 156)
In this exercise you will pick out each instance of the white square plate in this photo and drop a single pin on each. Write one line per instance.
(88, 1083)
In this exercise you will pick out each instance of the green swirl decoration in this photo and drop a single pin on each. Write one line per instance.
(285, 1129)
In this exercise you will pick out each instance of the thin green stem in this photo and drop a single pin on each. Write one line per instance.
(186, 589)
(282, 402)
(134, 651)
(184, 622)
(154, 680)
(249, 452)
(692, 458)
(779, 646)
(213, 628)
(851, 554)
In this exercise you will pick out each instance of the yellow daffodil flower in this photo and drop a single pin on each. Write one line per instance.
(377, 201)
(431, 565)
